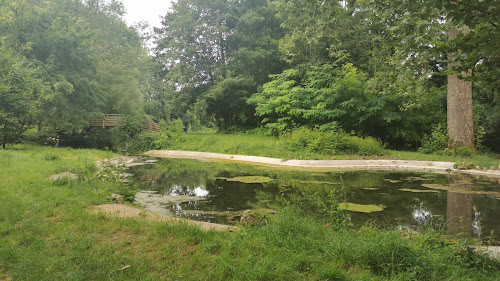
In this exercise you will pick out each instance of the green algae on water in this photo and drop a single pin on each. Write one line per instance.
(392, 181)
(360, 208)
(251, 179)
(436, 186)
(418, 190)
(418, 179)
(316, 182)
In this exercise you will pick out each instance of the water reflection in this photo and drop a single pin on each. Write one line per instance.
(459, 210)
(463, 218)
(421, 215)
(468, 206)
(199, 191)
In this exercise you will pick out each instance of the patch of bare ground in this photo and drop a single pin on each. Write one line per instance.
(63, 176)
(124, 211)
(492, 251)
(4, 276)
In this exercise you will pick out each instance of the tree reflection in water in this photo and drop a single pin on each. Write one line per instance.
(460, 209)
(468, 206)
(459, 213)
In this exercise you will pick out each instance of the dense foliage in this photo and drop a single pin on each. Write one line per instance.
(323, 94)
(17, 95)
(65, 62)
(377, 68)
(373, 68)
(215, 54)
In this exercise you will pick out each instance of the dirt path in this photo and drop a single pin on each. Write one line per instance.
(395, 165)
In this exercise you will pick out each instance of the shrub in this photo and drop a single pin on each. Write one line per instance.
(143, 142)
(463, 151)
(51, 157)
(167, 139)
(331, 142)
(436, 142)
(364, 146)
(313, 141)
(170, 135)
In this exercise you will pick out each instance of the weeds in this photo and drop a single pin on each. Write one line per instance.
(261, 145)
(337, 218)
(331, 142)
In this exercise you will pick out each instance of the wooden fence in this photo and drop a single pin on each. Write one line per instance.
(114, 120)
(110, 120)
(151, 126)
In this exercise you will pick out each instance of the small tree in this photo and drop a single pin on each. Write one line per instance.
(16, 97)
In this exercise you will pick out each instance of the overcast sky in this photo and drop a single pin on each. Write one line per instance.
(145, 10)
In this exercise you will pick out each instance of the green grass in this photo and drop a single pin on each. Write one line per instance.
(260, 145)
(482, 160)
(47, 233)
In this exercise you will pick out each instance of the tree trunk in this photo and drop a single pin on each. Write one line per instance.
(460, 115)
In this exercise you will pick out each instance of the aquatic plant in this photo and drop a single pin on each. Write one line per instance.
(251, 179)
(360, 208)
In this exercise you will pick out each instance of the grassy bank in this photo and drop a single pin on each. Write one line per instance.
(47, 233)
(260, 145)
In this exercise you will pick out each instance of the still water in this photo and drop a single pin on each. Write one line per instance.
(220, 192)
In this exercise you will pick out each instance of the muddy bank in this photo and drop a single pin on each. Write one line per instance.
(124, 211)
(155, 203)
(492, 251)
(394, 165)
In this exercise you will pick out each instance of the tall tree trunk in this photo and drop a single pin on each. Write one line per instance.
(460, 115)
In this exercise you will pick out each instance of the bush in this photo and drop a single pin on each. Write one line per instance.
(167, 139)
(313, 141)
(143, 142)
(170, 135)
(364, 146)
(436, 142)
(463, 151)
(331, 142)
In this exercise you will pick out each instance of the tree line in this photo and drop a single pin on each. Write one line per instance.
(378, 68)
(375, 68)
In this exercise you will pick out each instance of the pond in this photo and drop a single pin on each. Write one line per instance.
(219, 192)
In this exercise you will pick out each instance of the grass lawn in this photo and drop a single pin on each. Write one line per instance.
(47, 233)
(260, 145)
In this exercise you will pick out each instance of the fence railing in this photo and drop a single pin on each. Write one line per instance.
(114, 120)
(109, 120)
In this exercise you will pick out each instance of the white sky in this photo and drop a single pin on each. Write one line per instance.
(146, 10)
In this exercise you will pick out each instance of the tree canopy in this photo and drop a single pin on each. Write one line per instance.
(86, 61)
(371, 67)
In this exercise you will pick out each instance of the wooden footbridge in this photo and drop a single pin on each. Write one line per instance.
(114, 120)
